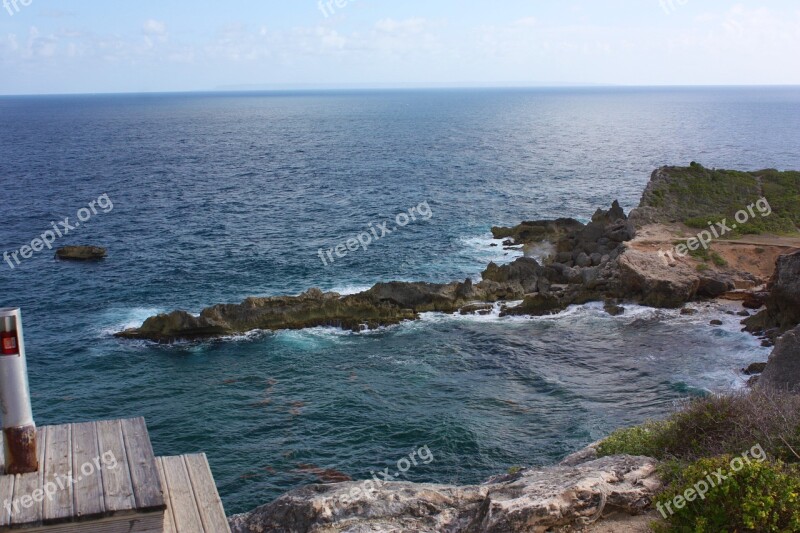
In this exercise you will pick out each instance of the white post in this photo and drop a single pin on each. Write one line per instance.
(15, 399)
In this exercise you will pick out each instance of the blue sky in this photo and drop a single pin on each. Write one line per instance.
(91, 46)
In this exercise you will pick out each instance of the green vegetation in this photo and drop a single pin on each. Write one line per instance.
(699, 196)
(717, 425)
(703, 436)
(705, 255)
(718, 259)
(759, 496)
(707, 434)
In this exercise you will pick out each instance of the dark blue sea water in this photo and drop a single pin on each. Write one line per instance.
(217, 197)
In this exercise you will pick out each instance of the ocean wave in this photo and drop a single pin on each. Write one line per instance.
(348, 289)
(115, 320)
(480, 250)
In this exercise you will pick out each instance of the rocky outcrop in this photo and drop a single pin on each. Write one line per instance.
(525, 275)
(538, 230)
(783, 301)
(531, 500)
(656, 282)
(310, 309)
(783, 368)
(385, 304)
(81, 253)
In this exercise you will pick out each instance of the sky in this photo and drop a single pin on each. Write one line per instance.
(101, 46)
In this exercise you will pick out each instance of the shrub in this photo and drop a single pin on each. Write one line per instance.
(761, 496)
(717, 425)
(718, 259)
(637, 440)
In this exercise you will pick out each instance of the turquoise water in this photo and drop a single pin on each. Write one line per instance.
(221, 196)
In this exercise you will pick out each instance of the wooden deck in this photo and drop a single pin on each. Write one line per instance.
(87, 472)
(103, 477)
(193, 504)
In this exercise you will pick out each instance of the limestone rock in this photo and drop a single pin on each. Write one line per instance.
(654, 282)
(532, 500)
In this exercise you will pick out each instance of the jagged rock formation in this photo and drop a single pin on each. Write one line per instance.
(783, 368)
(537, 230)
(783, 301)
(310, 309)
(531, 500)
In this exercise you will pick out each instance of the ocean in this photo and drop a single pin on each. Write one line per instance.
(210, 198)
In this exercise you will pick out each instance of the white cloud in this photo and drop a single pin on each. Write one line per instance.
(154, 27)
(410, 26)
(714, 46)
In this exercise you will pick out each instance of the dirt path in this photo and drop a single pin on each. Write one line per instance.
(752, 254)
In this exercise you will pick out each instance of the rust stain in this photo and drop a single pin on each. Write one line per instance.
(21, 457)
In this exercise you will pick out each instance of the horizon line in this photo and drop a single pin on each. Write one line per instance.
(279, 88)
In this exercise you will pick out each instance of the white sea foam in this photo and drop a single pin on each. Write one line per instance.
(346, 290)
(115, 320)
(480, 249)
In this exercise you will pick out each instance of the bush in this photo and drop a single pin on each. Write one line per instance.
(761, 496)
(717, 425)
(646, 440)
(703, 436)
(718, 259)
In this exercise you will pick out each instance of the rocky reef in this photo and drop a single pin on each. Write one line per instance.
(81, 253)
(530, 500)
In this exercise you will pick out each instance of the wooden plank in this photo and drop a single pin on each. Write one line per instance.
(29, 511)
(88, 471)
(58, 470)
(117, 484)
(169, 520)
(181, 496)
(142, 463)
(140, 523)
(6, 498)
(2, 454)
(205, 491)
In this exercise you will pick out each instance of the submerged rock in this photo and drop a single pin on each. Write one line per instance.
(81, 253)
(613, 308)
(531, 500)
